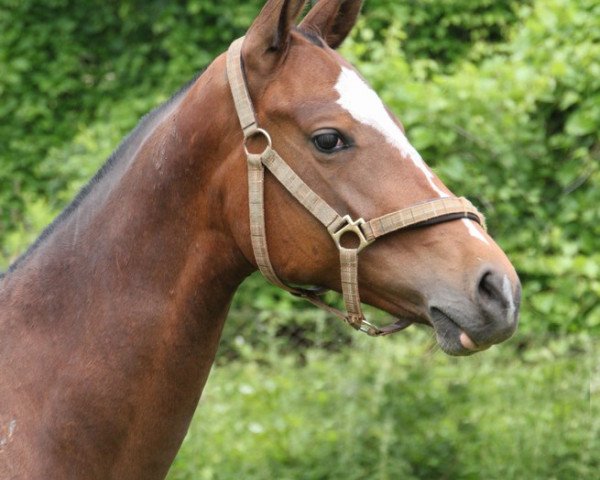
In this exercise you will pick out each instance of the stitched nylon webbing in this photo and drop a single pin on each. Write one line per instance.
(302, 192)
(349, 275)
(257, 221)
(239, 90)
(441, 209)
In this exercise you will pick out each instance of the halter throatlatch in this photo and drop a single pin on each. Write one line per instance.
(427, 213)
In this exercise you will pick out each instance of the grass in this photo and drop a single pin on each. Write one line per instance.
(392, 409)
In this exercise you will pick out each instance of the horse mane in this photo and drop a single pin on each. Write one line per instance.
(118, 154)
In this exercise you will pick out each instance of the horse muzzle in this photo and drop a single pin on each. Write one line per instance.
(489, 316)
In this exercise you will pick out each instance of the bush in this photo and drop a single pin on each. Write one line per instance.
(388, 409)
(443, 31)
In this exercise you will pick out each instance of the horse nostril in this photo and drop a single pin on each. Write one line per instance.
(498, 299)
(489, 287)
(495, 292)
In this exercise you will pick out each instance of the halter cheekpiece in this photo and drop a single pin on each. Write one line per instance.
(427, 213)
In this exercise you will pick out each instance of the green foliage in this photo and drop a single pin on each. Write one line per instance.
(442, 31)
(390, 409)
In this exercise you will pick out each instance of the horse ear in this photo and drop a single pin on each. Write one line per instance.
(332, 20)
(269, 34)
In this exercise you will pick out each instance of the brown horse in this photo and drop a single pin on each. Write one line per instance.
(110, 322)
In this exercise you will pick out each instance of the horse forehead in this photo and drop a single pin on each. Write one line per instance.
(362, 102)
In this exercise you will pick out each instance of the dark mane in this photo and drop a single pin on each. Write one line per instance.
(114, 158)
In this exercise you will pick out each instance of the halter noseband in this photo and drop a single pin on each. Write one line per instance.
(427, 213)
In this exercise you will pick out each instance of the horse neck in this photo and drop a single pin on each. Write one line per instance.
(123, 304)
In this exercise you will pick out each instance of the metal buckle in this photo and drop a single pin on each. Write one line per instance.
(369, 329)
(354, 227)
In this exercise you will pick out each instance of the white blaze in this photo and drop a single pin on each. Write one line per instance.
(474, 231)
(358, 99)
(365, 106)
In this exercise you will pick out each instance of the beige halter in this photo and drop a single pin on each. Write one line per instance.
(433, 211)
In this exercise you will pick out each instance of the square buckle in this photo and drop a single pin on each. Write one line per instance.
(354, 227)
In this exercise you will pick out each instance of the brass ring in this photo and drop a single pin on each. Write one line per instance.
(258, 131)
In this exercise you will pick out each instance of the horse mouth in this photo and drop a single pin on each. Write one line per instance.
(451, 338)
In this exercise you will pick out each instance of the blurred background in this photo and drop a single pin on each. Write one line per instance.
(502, 99)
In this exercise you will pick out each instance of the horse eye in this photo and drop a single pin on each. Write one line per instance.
(329, 142)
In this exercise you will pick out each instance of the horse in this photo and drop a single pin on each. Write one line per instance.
(271, 159)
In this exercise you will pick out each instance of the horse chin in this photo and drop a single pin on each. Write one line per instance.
(450, 337)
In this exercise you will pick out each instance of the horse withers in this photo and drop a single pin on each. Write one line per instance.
(278, 157)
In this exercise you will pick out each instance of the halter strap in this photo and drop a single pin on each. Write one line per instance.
(426, 213)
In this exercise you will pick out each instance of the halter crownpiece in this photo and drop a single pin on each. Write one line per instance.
(426, 213)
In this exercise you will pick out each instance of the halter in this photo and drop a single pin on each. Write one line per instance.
(427, 213)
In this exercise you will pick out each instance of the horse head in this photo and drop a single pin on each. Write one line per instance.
(339, 138)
